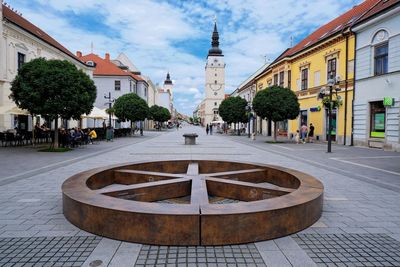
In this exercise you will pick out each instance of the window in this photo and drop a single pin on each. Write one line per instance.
(378, 117)
(381, 59)
(331, 68)
(117, 85)
(281, 78)
(145, 91)
(276, 79)
(289, 78)
(21, 60)
(215, 82)
(130, 86)
(304, 79)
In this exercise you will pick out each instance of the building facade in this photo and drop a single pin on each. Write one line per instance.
(214, 81)
(377, 85)
(306, 67)
(21, 42)
(165, 97)
(110, 79)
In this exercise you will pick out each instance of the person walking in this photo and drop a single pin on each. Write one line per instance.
(211, 128)
(207, 129)
(311, 133)
(303, 133)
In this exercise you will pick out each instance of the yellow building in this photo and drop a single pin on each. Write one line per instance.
(305, 68)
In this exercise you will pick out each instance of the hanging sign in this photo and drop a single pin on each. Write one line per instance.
(388, 101)
(315, 109)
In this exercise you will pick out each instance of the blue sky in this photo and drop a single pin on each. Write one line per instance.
(174, 36)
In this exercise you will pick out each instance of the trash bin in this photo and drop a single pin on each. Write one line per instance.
(109, 134)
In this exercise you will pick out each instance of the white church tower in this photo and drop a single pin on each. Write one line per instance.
(215, 80)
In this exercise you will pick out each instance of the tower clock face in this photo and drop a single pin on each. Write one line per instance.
(215, 87)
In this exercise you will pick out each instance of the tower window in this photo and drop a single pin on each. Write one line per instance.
(215, 103)
(215, 81)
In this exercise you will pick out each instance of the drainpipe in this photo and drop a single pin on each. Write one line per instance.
(354, 90)
(346, 89)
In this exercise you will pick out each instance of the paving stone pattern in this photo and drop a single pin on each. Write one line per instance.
(235, 255)
(46, 251)
(350, 249)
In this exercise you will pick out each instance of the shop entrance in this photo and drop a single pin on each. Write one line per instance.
(303, 118)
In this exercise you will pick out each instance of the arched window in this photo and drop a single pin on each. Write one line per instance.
(379, 37)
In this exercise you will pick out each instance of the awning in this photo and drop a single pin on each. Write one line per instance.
(17, 111)
(97, 114)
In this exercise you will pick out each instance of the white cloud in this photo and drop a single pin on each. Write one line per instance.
(148, 32)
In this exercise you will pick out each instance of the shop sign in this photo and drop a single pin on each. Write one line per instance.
(315, 109)
(388, 101)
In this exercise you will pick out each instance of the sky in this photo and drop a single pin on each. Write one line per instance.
(170, 35)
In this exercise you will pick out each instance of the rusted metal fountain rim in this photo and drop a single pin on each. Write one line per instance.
(130, 191)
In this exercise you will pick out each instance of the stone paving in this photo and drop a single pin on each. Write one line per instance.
(358, 202)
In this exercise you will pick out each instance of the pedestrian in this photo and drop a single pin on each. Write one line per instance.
(311, 133)
(211, 129)
(303, 133)
(177, 126)
(207, 129)
(297, 137)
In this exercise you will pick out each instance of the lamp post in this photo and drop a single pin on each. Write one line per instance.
(330, 83)
(109, 102)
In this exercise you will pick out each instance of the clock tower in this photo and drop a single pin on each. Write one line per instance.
(215, 80)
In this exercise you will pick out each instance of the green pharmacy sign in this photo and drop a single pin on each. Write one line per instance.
(388, 101)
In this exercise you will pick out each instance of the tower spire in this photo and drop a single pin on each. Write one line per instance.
(168, 79)
(215, 50)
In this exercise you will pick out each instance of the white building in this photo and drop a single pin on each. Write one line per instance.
(21, 42)
(165, 97)
(214, 81)
(377, 81)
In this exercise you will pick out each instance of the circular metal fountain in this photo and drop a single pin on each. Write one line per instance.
(192, 202)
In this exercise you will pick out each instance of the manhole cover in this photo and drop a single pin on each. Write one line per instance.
(195, 202)
(95, 263)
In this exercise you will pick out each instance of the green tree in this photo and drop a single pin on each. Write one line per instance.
(54, 89)
(131, 107)
(233, 110)
(276, 104)
(159, 114)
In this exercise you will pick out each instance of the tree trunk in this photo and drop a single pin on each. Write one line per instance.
(55, 133)
(275, 131)
(132, 131)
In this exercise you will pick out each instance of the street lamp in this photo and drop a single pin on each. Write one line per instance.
(323, 93)
(109, 102)
(248, 109)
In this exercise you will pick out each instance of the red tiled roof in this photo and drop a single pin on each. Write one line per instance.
(106, 67)
(21, 22)
(336, 25)
(381, 6)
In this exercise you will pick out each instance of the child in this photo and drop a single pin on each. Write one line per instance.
(297, 137)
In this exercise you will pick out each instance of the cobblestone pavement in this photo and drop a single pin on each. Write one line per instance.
(360, 210)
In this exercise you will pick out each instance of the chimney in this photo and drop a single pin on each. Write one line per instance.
(79, 54)
(107, 56)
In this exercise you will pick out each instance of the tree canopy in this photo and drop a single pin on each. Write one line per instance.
(276, 104)
(131, 107)
(233, 109)
(53, 88)
(159, 114)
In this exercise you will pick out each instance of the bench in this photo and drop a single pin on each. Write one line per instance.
(190, 138)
